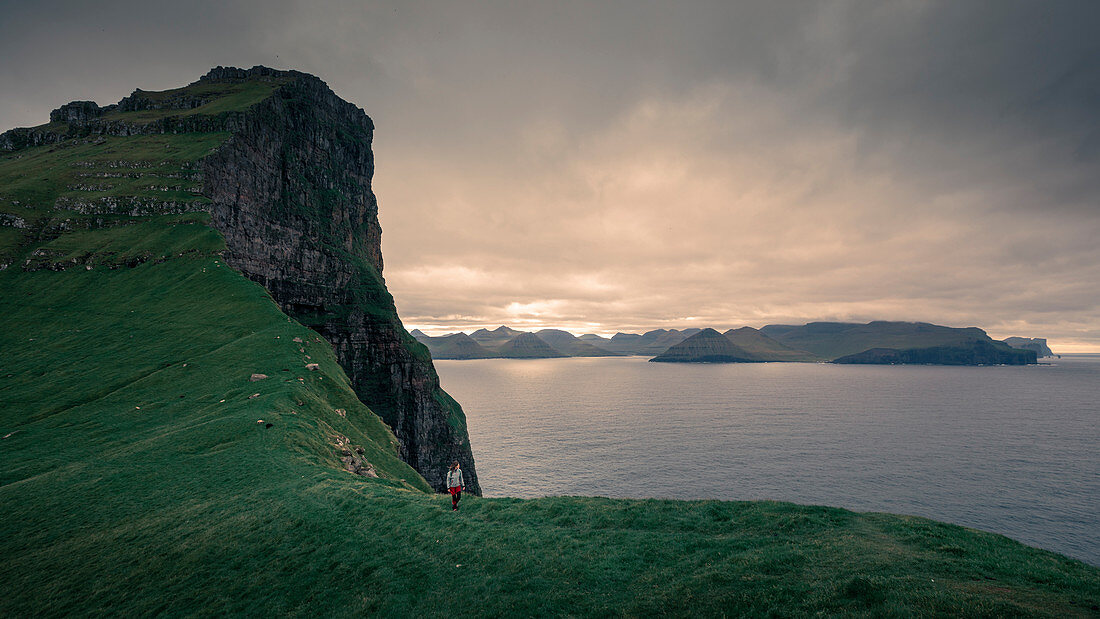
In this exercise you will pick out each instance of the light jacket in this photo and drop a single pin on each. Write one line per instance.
(454, 478)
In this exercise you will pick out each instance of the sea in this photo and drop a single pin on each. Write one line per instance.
(1011, 450)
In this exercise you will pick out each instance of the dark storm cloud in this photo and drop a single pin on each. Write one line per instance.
(631, 165)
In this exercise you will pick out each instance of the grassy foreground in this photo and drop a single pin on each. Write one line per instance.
(136, 480)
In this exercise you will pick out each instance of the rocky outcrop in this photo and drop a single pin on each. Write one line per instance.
(76, 112)
(291, 192)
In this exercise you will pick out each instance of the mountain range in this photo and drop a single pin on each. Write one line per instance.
(879, 342)
(500, 343)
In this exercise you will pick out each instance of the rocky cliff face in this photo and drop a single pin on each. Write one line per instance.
(290, 190)
(292, 195)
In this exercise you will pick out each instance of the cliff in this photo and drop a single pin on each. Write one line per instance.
(1037, 344)
(283, 167)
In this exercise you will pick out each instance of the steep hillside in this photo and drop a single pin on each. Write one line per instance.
(283, 167)
(707, 346)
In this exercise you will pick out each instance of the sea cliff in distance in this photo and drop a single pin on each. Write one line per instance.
(1038, 344)
(877, 342)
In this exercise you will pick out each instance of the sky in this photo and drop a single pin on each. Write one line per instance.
(623, 166)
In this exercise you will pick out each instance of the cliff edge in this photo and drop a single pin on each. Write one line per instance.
(284, 171)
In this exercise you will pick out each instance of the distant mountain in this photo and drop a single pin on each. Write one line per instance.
(507, 343)
(623, 343)
(875, 342)
(649, 343)
(832, 340)
(570, 345)
(528, 346)
(765, 348)
(495, 338)
(1038, 344)
(974, 352)
(454, 346)
(707, 346)
(595, 340)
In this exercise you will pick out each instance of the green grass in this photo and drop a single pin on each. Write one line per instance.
(128, 486)
(36, 184)
(226, 97)
(137, 478)
(37, 177)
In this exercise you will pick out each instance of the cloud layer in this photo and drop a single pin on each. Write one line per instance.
(635, 165)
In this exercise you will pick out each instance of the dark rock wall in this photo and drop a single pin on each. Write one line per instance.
(291, 192)
(292, 195)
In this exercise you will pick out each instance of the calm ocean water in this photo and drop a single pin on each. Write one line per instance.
(1014, 450)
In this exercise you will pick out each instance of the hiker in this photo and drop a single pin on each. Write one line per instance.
(455, 485)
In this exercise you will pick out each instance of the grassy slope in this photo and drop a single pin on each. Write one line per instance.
(32, 180)
(186, 504)
(128, 486)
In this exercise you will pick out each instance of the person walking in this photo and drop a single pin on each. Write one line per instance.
(455, 485)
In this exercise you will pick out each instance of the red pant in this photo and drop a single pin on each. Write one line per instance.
(456, 494)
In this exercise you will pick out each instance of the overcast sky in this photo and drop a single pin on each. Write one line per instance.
(613, 166)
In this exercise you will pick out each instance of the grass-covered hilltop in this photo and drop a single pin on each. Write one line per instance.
(208, 406)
